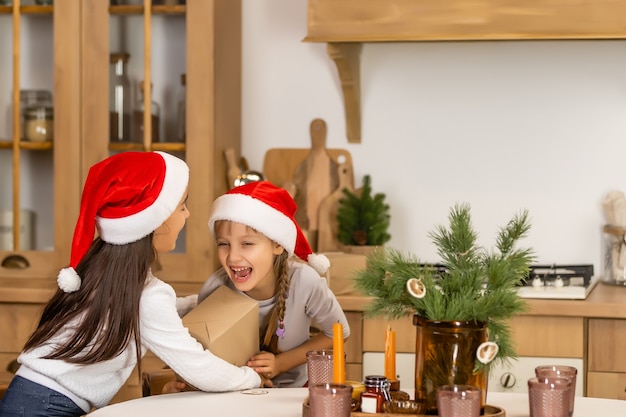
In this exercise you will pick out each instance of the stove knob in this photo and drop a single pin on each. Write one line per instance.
(507, 380)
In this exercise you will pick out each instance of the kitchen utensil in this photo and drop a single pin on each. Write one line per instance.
(279, 164)
(327, 213)
(233, 170)
(234, 173)
(315, 177)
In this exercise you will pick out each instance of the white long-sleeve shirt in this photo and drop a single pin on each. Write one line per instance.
(163, 333)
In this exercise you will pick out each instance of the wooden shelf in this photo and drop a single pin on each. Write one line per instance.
(157, 146)
(27, 9)
(36, 146)
(120, 10)
(346, 24)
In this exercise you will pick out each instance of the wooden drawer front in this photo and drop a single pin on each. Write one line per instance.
(561, 337)
(374, 334)
(17, 321)
(354, 355)
(606, 385)
(607, 341)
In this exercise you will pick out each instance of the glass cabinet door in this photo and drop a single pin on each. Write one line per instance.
(37, 192)
(178, 65)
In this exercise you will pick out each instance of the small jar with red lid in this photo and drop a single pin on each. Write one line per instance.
(375, 395)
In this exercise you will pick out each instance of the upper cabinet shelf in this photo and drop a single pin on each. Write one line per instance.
(345, 24)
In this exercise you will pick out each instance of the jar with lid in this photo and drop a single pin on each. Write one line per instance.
(30, 98)
(181, 126)
(39, 123)
(119, 99)
(375, 395)
(613, 250)
(138, 120)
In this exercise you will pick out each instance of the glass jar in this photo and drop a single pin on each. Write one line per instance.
(445, 353)
(375, 395)
(614, 255)
(155, 109)
(31, 98)
(181, 127)
(39, 123)
(120, 99)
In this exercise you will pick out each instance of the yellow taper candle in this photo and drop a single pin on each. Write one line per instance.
(390, 354)
(339, 365)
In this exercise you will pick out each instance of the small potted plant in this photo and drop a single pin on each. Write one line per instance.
(363, 218)
(460, 307)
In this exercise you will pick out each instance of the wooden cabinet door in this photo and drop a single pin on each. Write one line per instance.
(39, 181)
(201, 39)
(607, 339)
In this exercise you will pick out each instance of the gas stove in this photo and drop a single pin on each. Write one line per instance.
(573, 282)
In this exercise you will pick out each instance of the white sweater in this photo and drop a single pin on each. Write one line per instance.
(163, 333)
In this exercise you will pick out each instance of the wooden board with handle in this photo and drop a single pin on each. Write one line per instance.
(315, 178)
(328, 226)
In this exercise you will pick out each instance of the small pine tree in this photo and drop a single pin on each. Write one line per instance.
(363, 219)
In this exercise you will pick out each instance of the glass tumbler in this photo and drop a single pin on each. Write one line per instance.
(458, 401)
(569, 372)
(549, 396)
(319, 365)
(330, 400)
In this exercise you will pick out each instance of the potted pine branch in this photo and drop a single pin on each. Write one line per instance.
(462, 305)
(363, 217)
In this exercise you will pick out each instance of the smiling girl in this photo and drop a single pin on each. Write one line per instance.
(256, 237)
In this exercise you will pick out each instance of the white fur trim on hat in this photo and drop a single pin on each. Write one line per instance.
(68, 280)
(129, 229)
(241, 208)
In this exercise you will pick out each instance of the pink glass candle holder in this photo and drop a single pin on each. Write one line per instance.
(458, 401)
(564, 371)
(549, 396)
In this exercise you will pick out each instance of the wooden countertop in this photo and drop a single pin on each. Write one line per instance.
(605, 300)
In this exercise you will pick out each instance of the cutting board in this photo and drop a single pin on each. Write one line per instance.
(315, 178)
(327, 213)
(279, 164)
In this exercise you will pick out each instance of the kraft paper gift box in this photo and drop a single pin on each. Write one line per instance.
(343, 267)
(227, 324)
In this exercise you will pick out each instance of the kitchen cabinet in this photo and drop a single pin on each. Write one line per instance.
(65, 49)
(345, 25)
(46, 177)
(607, 364)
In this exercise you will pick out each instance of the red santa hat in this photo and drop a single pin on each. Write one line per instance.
(269, 210)
(125, 198)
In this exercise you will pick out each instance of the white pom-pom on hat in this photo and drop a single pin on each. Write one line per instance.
(319, 262)
(68, 280)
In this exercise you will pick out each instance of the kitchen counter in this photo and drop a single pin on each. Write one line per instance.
(604, 301)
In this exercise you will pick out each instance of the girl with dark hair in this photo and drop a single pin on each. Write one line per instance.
(256, 236)
(109, 308)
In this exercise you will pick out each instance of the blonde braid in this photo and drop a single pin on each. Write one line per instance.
(281, 267)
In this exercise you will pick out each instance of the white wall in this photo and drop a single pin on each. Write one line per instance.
(504, 126)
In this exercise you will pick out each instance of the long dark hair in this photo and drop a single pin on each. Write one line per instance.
(105, 310)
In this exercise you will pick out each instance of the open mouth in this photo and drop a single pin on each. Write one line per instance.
(241, 274)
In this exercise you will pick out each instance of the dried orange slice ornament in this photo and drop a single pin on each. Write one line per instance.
(416, 288)
(486, 352)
